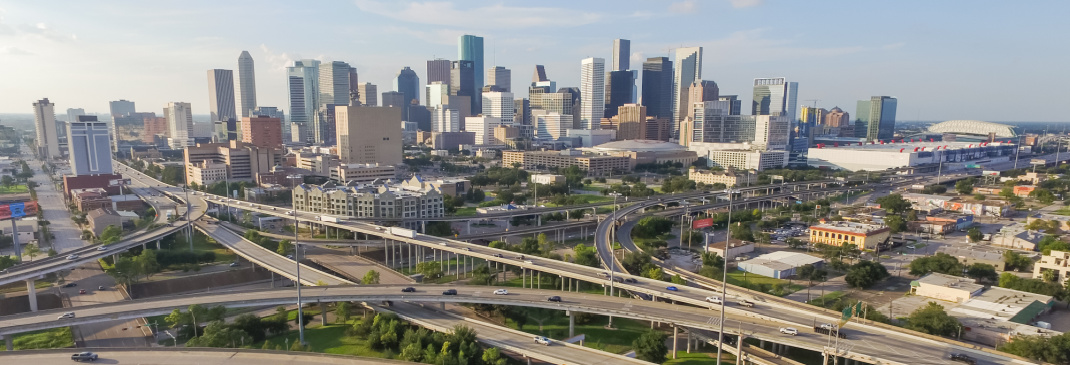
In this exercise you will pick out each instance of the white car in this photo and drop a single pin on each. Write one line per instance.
(501, 292)
(72, 257)
(102, 248)
(789, 331)
(66, 315)
(542, 340)
(827, 326)
(714, 300)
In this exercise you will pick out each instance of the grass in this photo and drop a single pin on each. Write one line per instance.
(465, 211)
(699, 358)
(1063, 211)
(745, 279)
(14, 189)
(828, 300)
(555, 325)
(202, 243)
(331, 339)
(579, 199)
(21, 287)
(55, 338)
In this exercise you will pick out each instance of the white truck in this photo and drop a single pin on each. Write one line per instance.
(327, 218)
(402, 232)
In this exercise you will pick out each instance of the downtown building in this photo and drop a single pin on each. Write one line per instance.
(876, 118)
(238, 161)
(89, 146)
(375, 200)
(369, 134)
(179, 117)
(44, 116)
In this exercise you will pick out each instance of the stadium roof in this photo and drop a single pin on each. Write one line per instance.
(973, 127)
(639, 145)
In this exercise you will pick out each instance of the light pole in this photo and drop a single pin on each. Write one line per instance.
(297, 259)
(724, 279)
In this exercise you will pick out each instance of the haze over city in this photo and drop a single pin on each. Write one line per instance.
(987, 60)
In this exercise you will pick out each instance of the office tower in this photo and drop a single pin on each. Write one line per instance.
(498, 105)
(225, 130)
(772, 132)
(462, 82)
(483, 126)
(368, 94)
(657, 87)
(501, 77)
(836, 118)
(702, 91)
(408, 84)
(89, 146)
(522, 117)
(44, 115)
(876, 118)
(550, 125)
(592, 92)
(369, 134)
(438, 70)
(619, 88)
(324, 128)
(573, 94)
(470, 48)
(394, 99)
(303, 82)
(630, 122)
(221, 95)
(262, 131)
(621, 54)
(179, 124)
(333, 83)
(686, 70)
(123, 116)
(444, 119)
(353, 81)
(420, 116)
(539, 75)
(437, 94)
(245, 88)
(775, 96)
(734, 102)
(120, 108)
(154, 127)
(73, 114)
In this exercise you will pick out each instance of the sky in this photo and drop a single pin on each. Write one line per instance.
(943, 60)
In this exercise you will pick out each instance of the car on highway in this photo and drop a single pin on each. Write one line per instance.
(714, 300)
(70, 285)
(84, 356)
(542, 340)
(501, 292)
(745, 303)
(498, 255)
(408, 290)
(233, 264)
(450, 292)
(630, 281)
(81, 291)
(66, 315)
(826, 326)
(467, 249)
(72, 257)
(102, 248)
(291, 257)
(672, 288)
(789, 331)
(101, 287)
(962, 358)
(553, 299)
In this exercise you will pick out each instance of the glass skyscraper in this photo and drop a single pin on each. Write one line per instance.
(876, 118)
(470, 48)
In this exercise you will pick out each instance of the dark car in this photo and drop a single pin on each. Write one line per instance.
(962, 358)
(631, 281)
(498, 255)
(70, 285)
(408, 290)
(450, 292)
(84, 356)
(553, 299)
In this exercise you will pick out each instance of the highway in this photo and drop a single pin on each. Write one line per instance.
(185, 356)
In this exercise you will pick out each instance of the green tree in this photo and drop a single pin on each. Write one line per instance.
(111, 235)
(678, 280)
(31, 250)
(493, 356)
(795, 243)
(894, 203)
(650, 346)
(982, 272)
(585, 255)
(7, 181)
(979, 197)
(974, 234)
(1043, 195)
(742, 232)
(932, 319)
(285, 247)
(964, 186)
(895, 223)
(430, 270)
(1016, 261)
(865, 273)
(941, 263)
(655, 273)
(1053, 349)
(370, 278)
(146, 263)
(651, 227)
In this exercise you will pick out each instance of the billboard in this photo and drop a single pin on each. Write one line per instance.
(17, 210)
(702, 223)
(990, 173)
(1038, 161)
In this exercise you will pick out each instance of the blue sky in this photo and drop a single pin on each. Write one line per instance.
(986, 60)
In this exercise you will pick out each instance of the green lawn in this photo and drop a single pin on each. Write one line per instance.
(465, 211)
(331, 339)
(588, 199)
(1063, 211)
(828, 300)
(56, 338)
(14, 189)
(753, 281)
(202, 243)
(555, 325)
(699, 358)
(21, 286)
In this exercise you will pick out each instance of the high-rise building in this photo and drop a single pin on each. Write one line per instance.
(837, 118)
(809, 123)
(394, 99)
(154, 127)
(772, 132)
(438, 70)
(354, 80)
(501, 77)
(539, 75)
(437, 93)
(179, 124)
(630, 122)
(498, 105)
(369, 134)
(44, 115)
(657, 87)
(245, 88)
(522, 117)
(687, 69)
(619, 87)
(408, 84)
(120, 108)
(369, 96)
(303, 81)
(333, 83)
(592, 92)
(483, 126)
(876, 118)
(262, 131)
(702, 91)
(550, 125)
(444, 119)
(123, 117)
(621, 55)
(736, 105)
(462, 82)
(221, 95)
(73, 114)
(775, 96)
(89, 146)
(470, 48)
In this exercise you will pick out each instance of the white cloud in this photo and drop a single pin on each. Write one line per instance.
(495, 16)
(686, 6)
(14, 51)
(276, 61)
(42, 30)
(746, 3)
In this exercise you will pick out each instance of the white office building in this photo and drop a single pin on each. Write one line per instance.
(592, 92)
(483, 127)
(437, 93)
(771, 132)
(245, 88)
(221, 95)
(499, 105)
(74, 113)
(179, 124)
(444, 119)
(89, 146)
(741, 156)
(44, 116)
(550, 125)
(687, 68)
(303, 82)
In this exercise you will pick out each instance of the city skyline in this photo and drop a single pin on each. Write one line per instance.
(925, 61)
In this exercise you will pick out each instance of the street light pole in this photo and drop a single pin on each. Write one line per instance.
(297, 258)
(724, 279)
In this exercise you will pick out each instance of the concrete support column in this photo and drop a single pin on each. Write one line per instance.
(739, 349)
(272, 279)
(689, 342)
(323, 314)
(442, 305)
(675, 339)
(32, 294)
(468, 225)
(539, 278)
(144, 245)
(15, 245)
(571, 324)
(157, 245)
(529, 360)
(9, 342)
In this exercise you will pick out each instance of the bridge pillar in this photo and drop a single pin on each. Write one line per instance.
(144, 245)
(157, 245)
(824, 358)
(675, 340)
(9, 342)
(272, 279)
(423, 227)
(538, 220)
(32, 295)
(468, 225)
(689, 342)
(571, 323)
(442, 305)
(323, 314)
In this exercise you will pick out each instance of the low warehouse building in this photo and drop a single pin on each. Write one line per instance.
(780, 264)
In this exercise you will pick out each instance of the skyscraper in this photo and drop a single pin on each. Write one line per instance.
(444, 119)
(621, 54)
(368, 94)
(501, 77)
(701, 91)
(462, 82)
(876, 118)
(89, 146)
(303, 82)
(245, 88)
(688, 69)
(775, 96)
(262, 131)
(592, 92)
(483, 127)
(408, 84)
(369, 134)
(221, 95)
(657, 87)
(539, 75)
(470, 48)
(438, 70)
(631, 122)
(73, 114)
(498, 105)
(333, 83)
(179, 124)
(437, 93)
(120, 108)
(123, 116)
(734, 102)
(353, 81)
(44, 116)
(394, 99)
(619, 88)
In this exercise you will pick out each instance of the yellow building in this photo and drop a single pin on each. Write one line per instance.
(864, 236)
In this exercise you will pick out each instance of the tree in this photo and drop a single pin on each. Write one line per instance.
(651, 227)
(678, 280)
(974, 234)
(430, 270)
(1053, 349)
(932, 319)
(636, 261)
(964, 186)
(795, 243)
(1043, 195)
(285, 247)
(1052, 242)
(655, 273)
(895, 223)
(493, 356)
(982, 272)
(742, 232)
(146, 263)
(585, 255)
(894, 203)
(7, 181)
(865, 273)
(650, 346)
(941, 263)
(31, 250)
(979, 197)
(111, 235)
(370, 278)
(1016, 261)
(1037, 225)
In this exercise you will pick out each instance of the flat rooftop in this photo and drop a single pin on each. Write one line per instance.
(973, 254)
(939, 279)
(852, 227)
(909, 146)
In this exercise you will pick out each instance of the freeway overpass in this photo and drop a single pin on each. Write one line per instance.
(185, 356)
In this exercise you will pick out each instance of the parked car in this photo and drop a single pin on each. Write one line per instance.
(553, 299)
(84, 356)
(408, 290)
(450, 292)
(501, 292)
(542, 340)
(962, 358)
(789, 331)
(66, 315)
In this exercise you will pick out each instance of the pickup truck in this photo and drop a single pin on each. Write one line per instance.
(745, 303)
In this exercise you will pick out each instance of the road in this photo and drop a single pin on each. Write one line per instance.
(185, 356)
